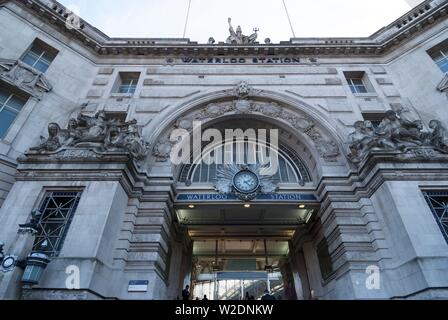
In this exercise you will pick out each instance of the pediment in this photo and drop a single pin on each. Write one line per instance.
(443, 86)
(24, 77)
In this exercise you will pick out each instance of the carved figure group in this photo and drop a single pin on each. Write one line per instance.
(97, 132)
(237, 37)
(397, 134)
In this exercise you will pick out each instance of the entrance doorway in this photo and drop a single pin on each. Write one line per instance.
(242, 269)
(239, 285)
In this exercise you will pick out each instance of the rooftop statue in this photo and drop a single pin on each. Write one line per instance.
(97, 132)
(238, 37)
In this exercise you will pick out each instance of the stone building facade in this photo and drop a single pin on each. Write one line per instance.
(358, 212)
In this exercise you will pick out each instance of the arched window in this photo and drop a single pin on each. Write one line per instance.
(290, 167)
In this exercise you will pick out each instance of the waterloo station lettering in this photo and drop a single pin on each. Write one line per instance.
(254, 60)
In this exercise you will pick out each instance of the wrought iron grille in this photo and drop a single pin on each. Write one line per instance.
(57, 212)
(438, 202)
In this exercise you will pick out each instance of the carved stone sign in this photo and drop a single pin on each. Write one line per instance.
(215, 197)
(238, 60)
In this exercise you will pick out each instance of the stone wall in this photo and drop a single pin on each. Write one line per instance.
(125, 225)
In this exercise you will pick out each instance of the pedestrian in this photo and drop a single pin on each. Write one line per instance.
(247, 296)
(205, 298)
(267, 296)
(186, 293)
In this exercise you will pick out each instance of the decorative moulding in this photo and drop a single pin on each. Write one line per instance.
(24, 77)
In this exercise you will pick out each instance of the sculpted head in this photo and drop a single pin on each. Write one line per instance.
(368, 125)
(359, 125)
(53, 129)
(433, 124)
(72, 123)
(391, 115)
(419, 124)
(239, 31)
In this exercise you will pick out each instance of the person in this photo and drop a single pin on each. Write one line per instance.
(313, 295)
(186, 293)
(247, 296)
(267, 296)
(205, 298)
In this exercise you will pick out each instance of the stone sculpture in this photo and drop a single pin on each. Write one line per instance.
(33, 225)
(396, 134)
(237, 37)
(97, 132)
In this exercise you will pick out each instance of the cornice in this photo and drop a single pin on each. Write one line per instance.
(417, 20)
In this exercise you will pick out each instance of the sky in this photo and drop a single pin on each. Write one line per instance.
(208, 18)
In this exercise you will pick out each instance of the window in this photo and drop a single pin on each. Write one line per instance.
(438, 203)
(357, 85)
(326, 266)
(440, 55)
(291, 168)
(57, 212)
(374, 118)
(358, 82)
(128, 82)
(40, 55)
(10, 106)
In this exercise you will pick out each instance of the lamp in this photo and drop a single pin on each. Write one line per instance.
(36, 263)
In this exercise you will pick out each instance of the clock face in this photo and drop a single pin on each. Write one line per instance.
(8, 262)
(246, 181)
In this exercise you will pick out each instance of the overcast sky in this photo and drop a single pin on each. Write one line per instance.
(208, 18)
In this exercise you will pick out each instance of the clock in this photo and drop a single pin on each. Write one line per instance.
(8, 263)
(246, 182)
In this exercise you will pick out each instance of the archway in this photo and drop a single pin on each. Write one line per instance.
(242, 240)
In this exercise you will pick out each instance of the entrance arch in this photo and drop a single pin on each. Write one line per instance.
(310, 128)
(236, 237)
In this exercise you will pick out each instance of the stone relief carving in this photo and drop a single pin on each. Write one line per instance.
(325, 146)
(398, 135)
(162, 150)
(24, 77)
(237, 37)
(243, 90)
(97, 133)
